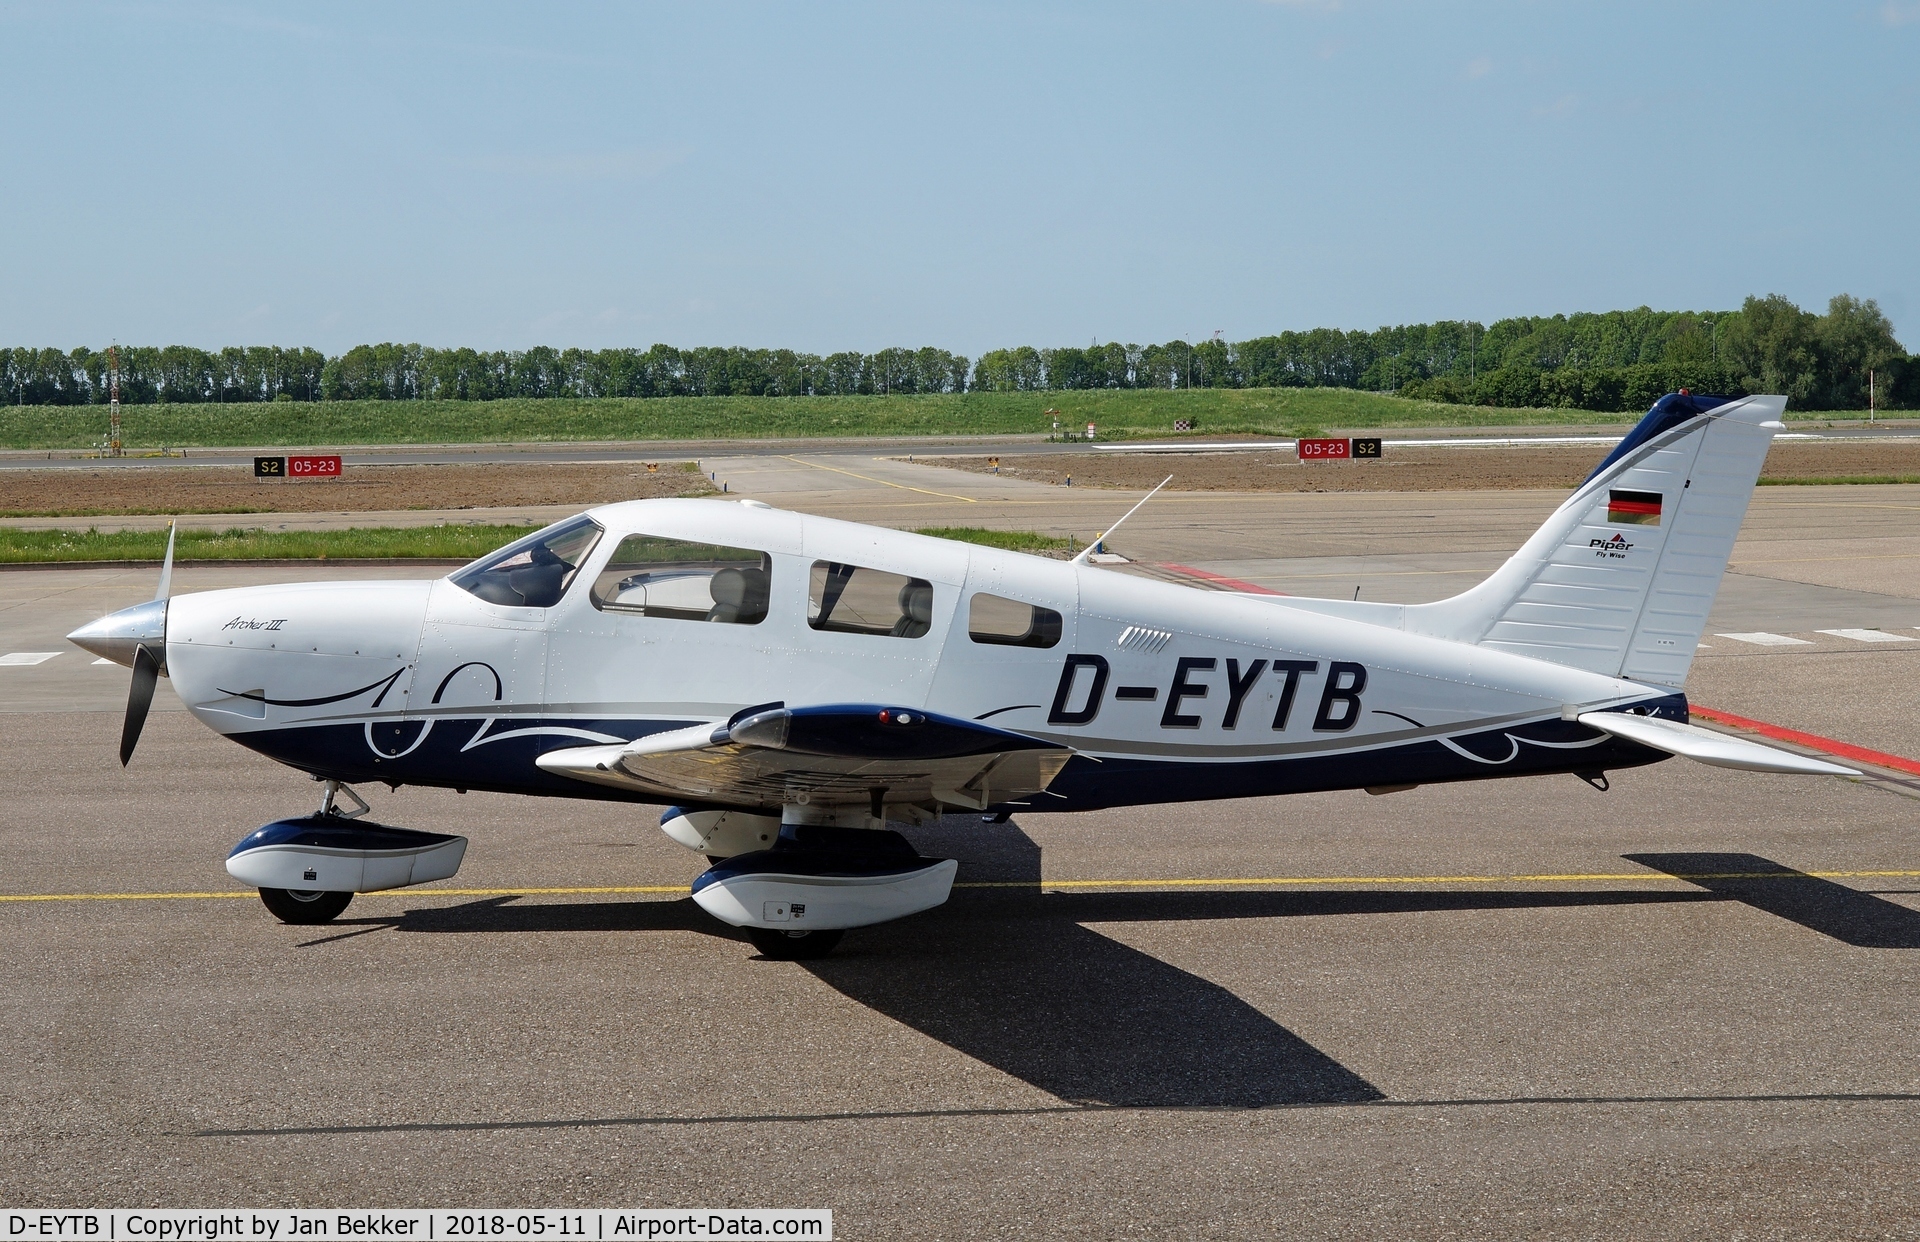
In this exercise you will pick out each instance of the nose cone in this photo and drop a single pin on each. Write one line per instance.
(117, 636)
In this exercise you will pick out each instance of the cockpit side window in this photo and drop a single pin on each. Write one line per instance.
(1004, 622)
(852, 600)
(653, 576)
(533, 572)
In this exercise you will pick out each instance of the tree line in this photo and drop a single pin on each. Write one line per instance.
(150, 375)
(1617, 360)
(1624, 361)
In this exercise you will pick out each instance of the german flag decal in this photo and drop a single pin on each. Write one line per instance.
(1633, 508)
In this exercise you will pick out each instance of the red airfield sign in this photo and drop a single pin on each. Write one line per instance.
(313, 467)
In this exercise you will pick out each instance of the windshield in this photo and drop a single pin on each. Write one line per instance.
(533, 572)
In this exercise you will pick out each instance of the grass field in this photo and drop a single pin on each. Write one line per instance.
(1119, 413)
(1012, 540)
(1820, 481)
(383, 542)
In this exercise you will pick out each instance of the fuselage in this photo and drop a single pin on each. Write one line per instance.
(1165, 693)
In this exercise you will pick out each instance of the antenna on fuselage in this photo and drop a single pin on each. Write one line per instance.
(1084, 553)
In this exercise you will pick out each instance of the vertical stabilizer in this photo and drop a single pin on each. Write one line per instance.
(1620, 579)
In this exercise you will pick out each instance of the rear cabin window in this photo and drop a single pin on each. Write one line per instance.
(1010, 623)
(651, 576)
(848, 599)
(533, 572)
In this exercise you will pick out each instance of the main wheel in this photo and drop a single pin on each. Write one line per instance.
(292, 905)
(786, 946)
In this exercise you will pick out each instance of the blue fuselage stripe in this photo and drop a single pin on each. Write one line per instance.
(457, 753)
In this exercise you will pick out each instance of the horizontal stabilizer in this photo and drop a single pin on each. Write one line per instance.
(1707, 746)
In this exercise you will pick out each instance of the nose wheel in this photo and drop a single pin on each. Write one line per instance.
(304, 907)
(292, 905)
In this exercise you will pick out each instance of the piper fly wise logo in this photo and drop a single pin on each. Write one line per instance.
(1614, 549)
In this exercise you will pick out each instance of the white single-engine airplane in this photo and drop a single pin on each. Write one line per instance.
(792, 683)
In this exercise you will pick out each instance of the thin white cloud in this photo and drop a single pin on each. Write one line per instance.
(1559, 107)
(261, 23)
(1893, 13)
(623, 165)
(1479, 67)
(223, 15)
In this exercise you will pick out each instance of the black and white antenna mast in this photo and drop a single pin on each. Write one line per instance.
(114, 448)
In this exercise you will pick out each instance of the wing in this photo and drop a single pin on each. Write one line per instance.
(833, 755)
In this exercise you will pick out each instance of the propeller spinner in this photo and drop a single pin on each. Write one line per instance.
(137, 638)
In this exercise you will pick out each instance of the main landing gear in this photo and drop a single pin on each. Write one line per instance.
(794, 946)
(796, 896)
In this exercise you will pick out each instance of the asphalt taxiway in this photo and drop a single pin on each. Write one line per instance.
(1525, 1008)
(1008, 444)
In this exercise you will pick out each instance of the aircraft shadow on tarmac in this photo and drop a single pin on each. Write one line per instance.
(1850, 916)
(1014, 978)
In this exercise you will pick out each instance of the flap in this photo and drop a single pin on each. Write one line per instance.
(1705, 745)
(831, 755)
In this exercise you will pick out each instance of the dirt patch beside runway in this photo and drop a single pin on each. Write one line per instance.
(1424, 469)
(107, 490)
(233, 489)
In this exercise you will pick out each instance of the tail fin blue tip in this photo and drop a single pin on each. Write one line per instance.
(1668, 412)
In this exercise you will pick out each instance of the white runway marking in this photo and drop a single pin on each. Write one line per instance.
(103, 660)
(1868, 636)
(26, 657)
(1763, 639)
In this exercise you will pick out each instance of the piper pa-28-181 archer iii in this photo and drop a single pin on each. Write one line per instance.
(792, 684)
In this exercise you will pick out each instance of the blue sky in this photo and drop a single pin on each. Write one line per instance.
(854, 176)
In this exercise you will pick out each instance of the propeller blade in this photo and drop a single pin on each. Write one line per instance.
(166, 570)
(146, 675)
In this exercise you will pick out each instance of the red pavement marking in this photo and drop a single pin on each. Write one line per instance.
(1844, 750)
(1231, 584)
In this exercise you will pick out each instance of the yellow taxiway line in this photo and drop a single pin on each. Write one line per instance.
(1271, 881)
(883, 482)
(1309, 880)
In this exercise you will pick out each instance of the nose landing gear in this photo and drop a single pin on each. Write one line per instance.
(308, 869)
(305, 907)
(302, 907)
